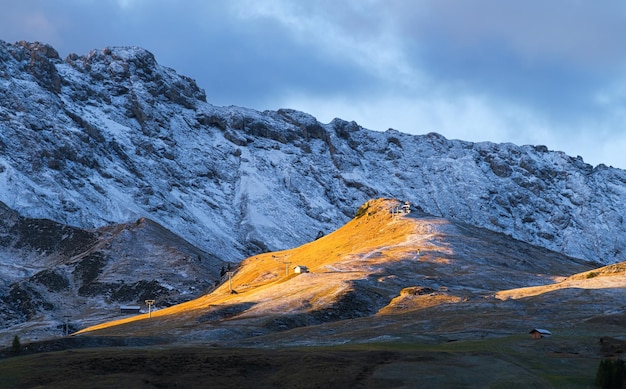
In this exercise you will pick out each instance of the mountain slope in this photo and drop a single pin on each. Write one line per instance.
(377, 266)
(52, 273)
(607, 277)
(112, 136)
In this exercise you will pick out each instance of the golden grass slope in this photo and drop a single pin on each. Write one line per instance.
(379, 263)
(266, 282)
(607, 277)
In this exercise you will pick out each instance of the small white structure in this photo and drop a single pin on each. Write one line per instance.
(300, 269)
(130, 308)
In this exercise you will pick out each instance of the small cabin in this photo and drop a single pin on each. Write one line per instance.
(538, 333)
(300, 269)
(129, 309)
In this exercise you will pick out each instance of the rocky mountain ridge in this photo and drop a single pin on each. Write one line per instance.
(112, 136)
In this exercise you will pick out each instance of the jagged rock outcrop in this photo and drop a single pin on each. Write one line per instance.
(113, 136)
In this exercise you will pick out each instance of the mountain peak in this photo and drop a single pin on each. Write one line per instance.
(25, 60)
(113, 136)
(120, 60)
(38, 48)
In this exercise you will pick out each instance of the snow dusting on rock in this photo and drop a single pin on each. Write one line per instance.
(112, 136)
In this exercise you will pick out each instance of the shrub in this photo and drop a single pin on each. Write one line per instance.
(611, 374)
(16, 347)
(362, 210)
(592, 274)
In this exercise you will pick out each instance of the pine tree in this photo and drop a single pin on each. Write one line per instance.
(611, 374)
(16, 346)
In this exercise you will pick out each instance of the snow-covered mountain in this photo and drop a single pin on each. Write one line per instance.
(112, 136)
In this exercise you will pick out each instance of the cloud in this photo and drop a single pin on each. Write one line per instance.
(532, 72)
(578, 32)
(347, 31)
(28, 23)
(545, 72)
(477, 118)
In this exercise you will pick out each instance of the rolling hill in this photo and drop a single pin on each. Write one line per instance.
(390, 299)
(384, 267)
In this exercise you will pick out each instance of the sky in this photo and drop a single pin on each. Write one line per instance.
(540, 72)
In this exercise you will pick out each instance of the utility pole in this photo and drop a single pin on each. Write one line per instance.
(283, 260)
(67, 324)
(230, 281)
(150, 303)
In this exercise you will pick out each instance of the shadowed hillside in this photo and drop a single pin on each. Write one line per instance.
(57, 278)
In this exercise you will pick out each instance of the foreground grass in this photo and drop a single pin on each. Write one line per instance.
(510, 362)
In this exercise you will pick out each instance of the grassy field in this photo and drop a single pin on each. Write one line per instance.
(506, 362)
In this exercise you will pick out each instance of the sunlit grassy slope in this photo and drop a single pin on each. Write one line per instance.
(380, 263)
(268, 283)
(607, 277)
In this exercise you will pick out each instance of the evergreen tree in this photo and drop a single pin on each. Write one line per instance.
(16, 347)
(611, 374)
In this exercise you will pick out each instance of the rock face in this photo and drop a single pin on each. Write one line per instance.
(112, 136)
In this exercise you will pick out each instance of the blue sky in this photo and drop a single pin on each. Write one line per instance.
(549, 72)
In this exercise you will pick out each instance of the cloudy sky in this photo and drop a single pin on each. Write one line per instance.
(549, 72)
